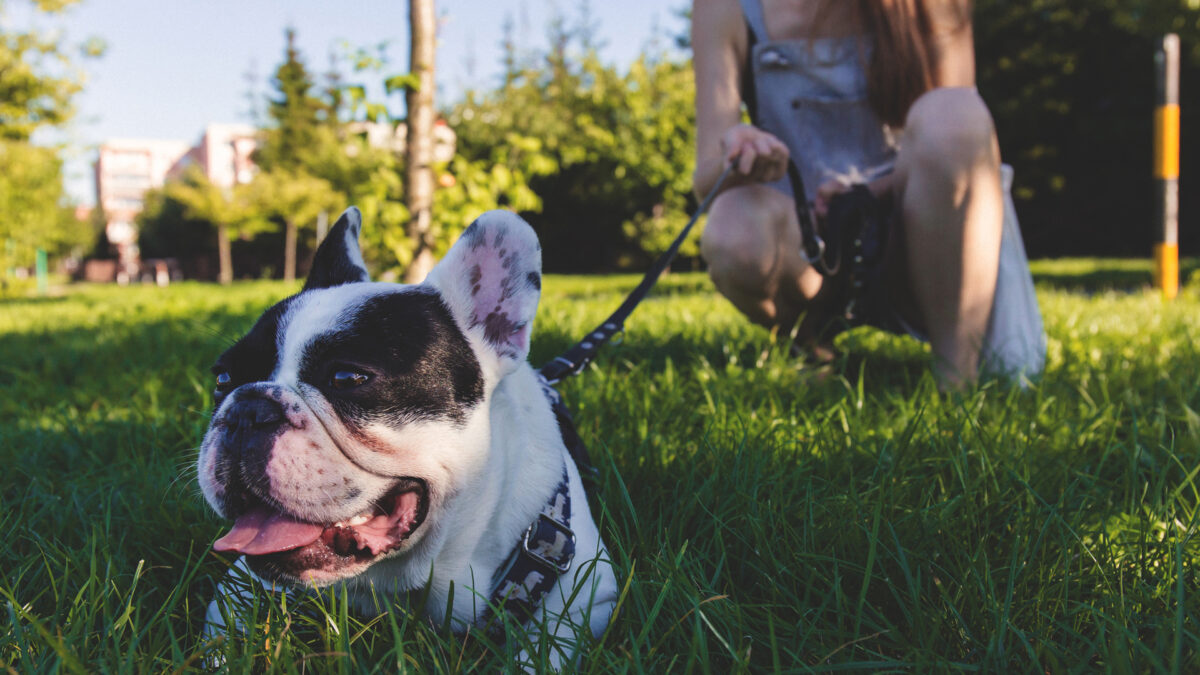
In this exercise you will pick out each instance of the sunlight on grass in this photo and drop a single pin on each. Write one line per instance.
(763, 515)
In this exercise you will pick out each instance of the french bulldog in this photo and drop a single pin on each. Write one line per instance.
(394, 438)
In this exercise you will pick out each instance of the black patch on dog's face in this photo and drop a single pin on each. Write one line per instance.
(419, 364)
(253, 358)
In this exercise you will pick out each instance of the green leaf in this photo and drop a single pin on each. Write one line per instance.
(397, 82)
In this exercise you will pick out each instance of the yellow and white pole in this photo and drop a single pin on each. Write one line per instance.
(1166, 167)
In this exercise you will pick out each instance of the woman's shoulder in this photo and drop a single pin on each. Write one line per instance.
(717, 23)
(726, 6)
(723, 11)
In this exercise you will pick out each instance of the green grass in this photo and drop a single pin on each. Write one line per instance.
(763, 516)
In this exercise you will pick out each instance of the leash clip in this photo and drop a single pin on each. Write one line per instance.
(819, 256)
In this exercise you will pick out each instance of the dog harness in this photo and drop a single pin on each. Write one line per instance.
(544, 553)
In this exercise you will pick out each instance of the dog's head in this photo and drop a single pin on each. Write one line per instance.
(352, 414)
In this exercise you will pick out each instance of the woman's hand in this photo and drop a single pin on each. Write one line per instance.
(760, 156)
(825, 194)
(880, 187)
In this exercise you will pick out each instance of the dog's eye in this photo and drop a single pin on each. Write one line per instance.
(348, 379)
(223, 381)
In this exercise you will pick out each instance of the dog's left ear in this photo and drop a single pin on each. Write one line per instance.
(492, 279)
(339, 259)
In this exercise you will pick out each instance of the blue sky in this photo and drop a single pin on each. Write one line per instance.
(174, 65)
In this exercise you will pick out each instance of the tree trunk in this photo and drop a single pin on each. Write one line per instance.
(289, 250)
(224, 255)
(419, 148)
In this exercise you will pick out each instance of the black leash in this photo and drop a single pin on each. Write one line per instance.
(857, 229)
(812, 245)
(575, 359)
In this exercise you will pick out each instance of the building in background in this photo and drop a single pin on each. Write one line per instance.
(126, 168)
(223, 154)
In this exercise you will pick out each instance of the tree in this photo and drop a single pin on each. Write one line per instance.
(293, 151)
(299, 119)
(32, 215)
(165, 230)
(37, 91)
(370, 176)
(607, 155)
(1071, 87)
(227, 209)
(295, 199)
(418, 155)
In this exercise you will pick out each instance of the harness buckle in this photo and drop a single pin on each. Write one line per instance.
(528, 541)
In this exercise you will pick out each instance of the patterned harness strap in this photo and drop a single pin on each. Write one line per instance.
(544, 553)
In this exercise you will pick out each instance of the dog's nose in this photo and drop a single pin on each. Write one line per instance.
(255, 413)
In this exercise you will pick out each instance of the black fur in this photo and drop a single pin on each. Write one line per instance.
(420, 364)
(252, 358)
(335, 263)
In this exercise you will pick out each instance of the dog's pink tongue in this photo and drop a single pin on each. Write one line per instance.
(264, 531)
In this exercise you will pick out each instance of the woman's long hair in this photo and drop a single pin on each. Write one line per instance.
(904, 62)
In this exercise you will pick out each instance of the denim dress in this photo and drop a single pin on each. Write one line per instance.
(812, 95)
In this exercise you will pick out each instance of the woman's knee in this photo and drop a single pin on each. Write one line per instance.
(950, 129)
(741, 236)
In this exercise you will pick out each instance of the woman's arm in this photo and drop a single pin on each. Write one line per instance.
(719, 53)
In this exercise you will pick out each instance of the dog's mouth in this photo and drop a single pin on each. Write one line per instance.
(266, 531)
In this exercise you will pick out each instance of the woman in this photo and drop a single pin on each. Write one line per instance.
(863, 90)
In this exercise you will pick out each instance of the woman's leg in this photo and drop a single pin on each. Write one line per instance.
(751, 243)
(952, 208)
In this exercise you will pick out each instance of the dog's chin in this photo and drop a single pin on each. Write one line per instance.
(327, 553)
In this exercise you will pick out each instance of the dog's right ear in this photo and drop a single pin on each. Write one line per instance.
(339, 259)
